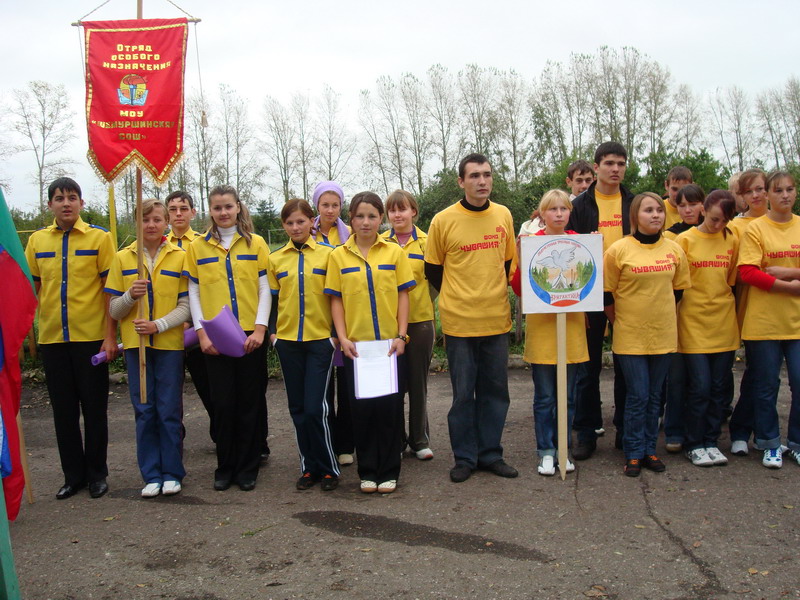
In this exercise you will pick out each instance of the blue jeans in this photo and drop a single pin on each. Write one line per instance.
(306, 368)
(159, 422)
(479, 376)
(675, 405)
(708, 374)
(644, 379)
(765, 359)
(545, 403)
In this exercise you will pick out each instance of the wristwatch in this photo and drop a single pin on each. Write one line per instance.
(406, 338)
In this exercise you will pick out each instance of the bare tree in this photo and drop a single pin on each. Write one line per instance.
(731, 111)
(375, 153)
(416, 118)
(394, 129)
(335, 144)
(688, 119)
(657, 107)
(301, 115)
(281, 138)
(478, 89)
(510, 120)
(42, 116)
(547, 116)
(443, 110)
(203, 145)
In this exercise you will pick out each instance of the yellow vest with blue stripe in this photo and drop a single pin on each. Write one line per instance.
(419, 298)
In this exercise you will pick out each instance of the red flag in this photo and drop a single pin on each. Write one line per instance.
(16, 316)
(134, 94)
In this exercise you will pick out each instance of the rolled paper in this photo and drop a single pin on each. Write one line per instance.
(100, 357)
(225, 333)
(190, 337)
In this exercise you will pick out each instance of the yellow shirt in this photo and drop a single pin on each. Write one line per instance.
(165, 288)
(642, 277)
(368, 288)
(297, 278)
(419, 298)
(187, 238)
(228, 276)
(609, 219)
(671, 215)
(332, 239)
(540, 339)
(738, 225)
(771, 315)
(473, 247)
(707, 311)
(71, 266)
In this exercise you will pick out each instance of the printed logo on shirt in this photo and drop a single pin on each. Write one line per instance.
(616, 221)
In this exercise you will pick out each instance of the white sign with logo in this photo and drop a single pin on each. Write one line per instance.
(561, 273)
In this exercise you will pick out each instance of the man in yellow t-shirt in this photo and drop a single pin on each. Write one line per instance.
(603, 208)
(69, 261)
(468, 256)
(676, 179)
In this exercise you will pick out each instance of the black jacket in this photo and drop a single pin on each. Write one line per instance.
(585, 214)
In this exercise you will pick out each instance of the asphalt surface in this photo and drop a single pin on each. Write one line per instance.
(721, 532)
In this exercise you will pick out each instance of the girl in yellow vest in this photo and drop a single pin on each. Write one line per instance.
(641, 272)
(402, 211)
(769, 261)
(368, 280)
(159, 432)
(228, 266)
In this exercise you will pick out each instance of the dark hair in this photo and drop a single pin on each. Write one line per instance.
(370, 198)
(65, 184)
(607, 148)
(636, 203)
(747, 178)
(243, 222)
(726, 202)
(579, 167)
(692, 193)
(476, 158)
(776, 176)
(680, 174)
(296, 204)
(180, 195)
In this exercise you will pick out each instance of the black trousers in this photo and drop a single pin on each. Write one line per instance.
(196, 365)
(76, 387)
(378, 428)
(339, 417)
(239, 398)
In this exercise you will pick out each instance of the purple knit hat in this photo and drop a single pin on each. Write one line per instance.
(330, 186)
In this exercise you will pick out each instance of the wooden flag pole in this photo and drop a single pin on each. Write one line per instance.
(23, 457)
(561, 379)
(142, 275)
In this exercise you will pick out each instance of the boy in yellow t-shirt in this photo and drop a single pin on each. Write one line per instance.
(676, 179)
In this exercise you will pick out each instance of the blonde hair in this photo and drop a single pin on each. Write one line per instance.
(244, 224)
(551, 197)
(637, 204)
(149, 206)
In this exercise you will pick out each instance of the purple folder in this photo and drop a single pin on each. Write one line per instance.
(225, 333)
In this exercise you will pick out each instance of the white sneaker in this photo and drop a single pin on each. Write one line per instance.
(740, 448)
(547, 465)
(772, 458)
(700, 458)
(717, 457)
(570, 466)
(170, 488)
(424, 454)
(387, 487)
(368, 487)
(795, 456)
(345, 459)
(600, 432)
(151, 490)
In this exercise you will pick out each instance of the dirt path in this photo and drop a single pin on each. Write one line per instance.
(729, 532)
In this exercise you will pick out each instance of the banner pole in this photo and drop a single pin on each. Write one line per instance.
(112, 215)
(142, 275)
(561, 379)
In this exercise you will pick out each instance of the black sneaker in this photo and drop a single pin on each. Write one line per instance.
(305, 482)
(654, 463)
(460, 472)
(584, 450)
(633, 467)
(329, 483)
(502, 469)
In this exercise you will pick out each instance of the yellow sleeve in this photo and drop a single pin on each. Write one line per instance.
(511, 240)
(183, 286)
(750, 249)
(611, 270)
(114, 283)
(190, 264)
(263, 257)
(333, 284)
(682, 279)
(30, 256)
(405, 277)
(433, 252)
(732, 271)
(106, 254)
(273, 281)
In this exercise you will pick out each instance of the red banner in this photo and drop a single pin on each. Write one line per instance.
(134, 94)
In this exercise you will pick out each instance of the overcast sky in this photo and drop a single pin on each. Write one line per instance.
(278, 48)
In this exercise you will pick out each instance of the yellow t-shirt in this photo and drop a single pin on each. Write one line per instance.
(473, 246)
(642, 277)
(187, 238)
(228, 277)
(71, 266)
(166, 286)
(707, 311)
(671, 215)
(369, 288)
(332, 239)
(609, 219)
(738, 225)
(771, 315)
(540, 339)
(297, 278)
(419, 298)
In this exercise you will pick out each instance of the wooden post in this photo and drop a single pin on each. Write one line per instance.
(561, 379)
(142, 275)
(112, 215)
(23, 457)
(9, 584)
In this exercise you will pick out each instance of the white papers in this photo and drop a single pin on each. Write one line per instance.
(375, 371)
